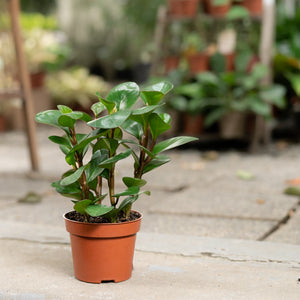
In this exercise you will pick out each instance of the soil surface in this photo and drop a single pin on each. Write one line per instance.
(75, 216)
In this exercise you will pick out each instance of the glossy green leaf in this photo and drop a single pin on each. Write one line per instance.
(133, 190)
(106, 143)
(127, 201)
(172, 143)
(111, 121)
(124, 142)
(97, 210)
(274, 94)
(131, 181)
(60, 140)
(98, 108)
(110, 106)
(81, 206)
(64, 109)
(151, 97)
(110, 161)
(124, 95)
(79, 148)
(94, 170)
(158, 161)
(133, 128)
(73, 177)
(66, 121)
(69, 189)
(49, 117)
(157, 126)
(163, 87)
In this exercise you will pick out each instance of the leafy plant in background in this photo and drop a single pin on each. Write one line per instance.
(75, 86)
(93, 157)
(287, 59)
(218, 93)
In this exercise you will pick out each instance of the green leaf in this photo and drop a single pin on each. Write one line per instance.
(158, 161)
(131, 181)
(274, 95)
(81, 206)
(49, 117)
(110, 161)
(215, 115)
(292, 190)
(106, 143)
(258, 106)
(162, 87)
(157, 126)
(133, 128)
(94, 170)
(237, 12)
(69, 189)
(125, 142)
(172, 143)
(66, 121)
(79, 148)
(108, 104)
(97, 210)
(98, 108)
(60, 140)
(124, 95)
(133, 190)
(127, 201)
(64, 109)
(151, 97)
(73, 177)
(111, 121)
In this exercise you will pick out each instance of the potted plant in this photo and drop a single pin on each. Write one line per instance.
(183, 8)
(196, 53)
(217, 7)
(75, 87)
(239, 92)
(253, 6)
(103, 235)
(187, 99)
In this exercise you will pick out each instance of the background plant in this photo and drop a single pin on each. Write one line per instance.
(93, 156)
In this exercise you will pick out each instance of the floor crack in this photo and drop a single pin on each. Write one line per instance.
(281, 223)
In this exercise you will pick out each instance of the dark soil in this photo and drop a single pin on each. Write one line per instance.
(75, 216)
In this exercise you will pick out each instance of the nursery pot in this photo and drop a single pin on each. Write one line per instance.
(171, 63)
(233, 125)
(37, 79)
(254, 6)
(183, 8)
(193, 124)
(198, 62)
(102, 251)
(217, 10)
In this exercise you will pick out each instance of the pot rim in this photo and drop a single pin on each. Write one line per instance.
(110, 224)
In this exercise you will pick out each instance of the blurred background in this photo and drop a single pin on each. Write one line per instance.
(232, 62)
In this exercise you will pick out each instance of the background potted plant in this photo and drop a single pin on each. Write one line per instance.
(75, 87)
(217, 7)
(183, 8)
(93, 158)
(195, 51)
(239, 91)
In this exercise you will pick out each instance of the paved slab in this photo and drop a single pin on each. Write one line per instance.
(37, 271)
(288, 232)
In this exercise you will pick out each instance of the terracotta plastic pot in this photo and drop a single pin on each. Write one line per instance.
(198, 62)
(193, 124)
(102, 252)
(183, 8)
(171, 63)
(217, 10)
(254, 6)
(37, 79)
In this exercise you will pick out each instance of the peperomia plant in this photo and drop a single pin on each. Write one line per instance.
(93, 156)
